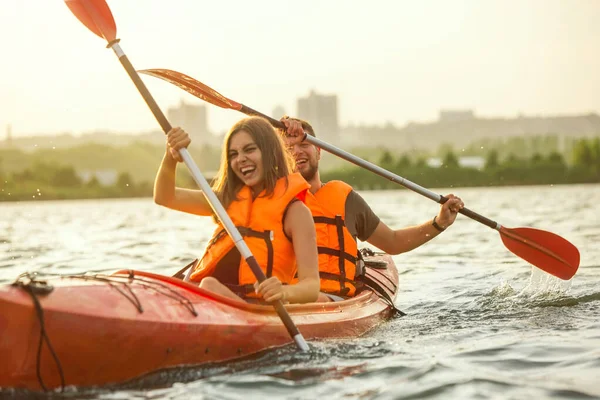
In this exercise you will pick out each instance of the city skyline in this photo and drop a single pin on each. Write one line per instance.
(414, 59)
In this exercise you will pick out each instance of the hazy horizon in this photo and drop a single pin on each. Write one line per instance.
(395, 61)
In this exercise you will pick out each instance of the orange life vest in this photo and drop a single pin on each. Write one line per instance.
(337, 248)
(260, 221)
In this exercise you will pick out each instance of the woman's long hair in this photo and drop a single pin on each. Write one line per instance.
(277, 162)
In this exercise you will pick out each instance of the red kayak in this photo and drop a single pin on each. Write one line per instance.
(101, 329)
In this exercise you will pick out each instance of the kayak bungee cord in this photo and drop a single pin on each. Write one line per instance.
(377, 286)
(93, 327)
(97, 17)
(29, 283)
(127, 281)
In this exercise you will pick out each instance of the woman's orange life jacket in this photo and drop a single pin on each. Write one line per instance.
(260, 221)
(337, 248)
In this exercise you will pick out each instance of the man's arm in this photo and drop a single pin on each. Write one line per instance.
(402, 240)
(363, 223)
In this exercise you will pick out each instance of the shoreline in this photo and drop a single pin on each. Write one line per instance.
(371, 189)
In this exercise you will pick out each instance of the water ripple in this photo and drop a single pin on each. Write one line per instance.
(481, 323)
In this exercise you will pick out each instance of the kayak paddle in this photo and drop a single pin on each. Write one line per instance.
(97, 17)
(543, 249)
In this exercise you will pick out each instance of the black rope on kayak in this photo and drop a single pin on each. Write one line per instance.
(387, 278)
(377, 286)
(132, 297)
(159, 287)
(170, 292)
(366, 252)
(381, 292)
(35, 288)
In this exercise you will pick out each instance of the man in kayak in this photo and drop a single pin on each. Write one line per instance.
(341, 216)
(263, 196)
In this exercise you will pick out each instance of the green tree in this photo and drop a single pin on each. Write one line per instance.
(65, 177)
(595, 150)
(93, 182)
(491, 161)
(386, 159)
(582, 153)
(403, 163)
(421, 162)
(24, 176)
(450, 160)
(124, 180)
(512, 159)
(555, 158)
(536, 159)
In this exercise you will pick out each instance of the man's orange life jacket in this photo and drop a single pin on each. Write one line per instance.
(337, 248)
(260, 221)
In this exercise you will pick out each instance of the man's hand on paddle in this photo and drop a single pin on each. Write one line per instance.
(449, 210)
(294, 133)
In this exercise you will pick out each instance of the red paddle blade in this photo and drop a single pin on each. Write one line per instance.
(547, 251)
(96, 15)
(193, 87)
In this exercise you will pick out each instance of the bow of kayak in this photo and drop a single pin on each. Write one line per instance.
(101, 329)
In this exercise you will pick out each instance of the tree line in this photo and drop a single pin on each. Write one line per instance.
(53, 181)
(553, 168)
(52, 178)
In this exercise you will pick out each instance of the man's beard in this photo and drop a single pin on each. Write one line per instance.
(309, 174)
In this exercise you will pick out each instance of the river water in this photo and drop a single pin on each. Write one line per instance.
(481, 323)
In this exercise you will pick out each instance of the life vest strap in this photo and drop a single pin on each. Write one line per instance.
(267, 236)
(326, 220)
(241, 290)
(336, 253)
(338, 278)
(339, 223)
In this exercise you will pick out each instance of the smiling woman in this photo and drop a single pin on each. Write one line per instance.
(264, 199)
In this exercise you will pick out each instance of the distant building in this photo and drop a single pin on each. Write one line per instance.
(192, 118)
(278, 112)
(106, 177)
(456, 115)
(464, 128)
(465, 162)
(321, 111)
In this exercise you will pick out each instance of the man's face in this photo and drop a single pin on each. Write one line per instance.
(307, 158)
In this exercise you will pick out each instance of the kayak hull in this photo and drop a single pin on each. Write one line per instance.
(132, 323)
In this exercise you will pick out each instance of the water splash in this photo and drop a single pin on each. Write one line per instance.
(542, 284)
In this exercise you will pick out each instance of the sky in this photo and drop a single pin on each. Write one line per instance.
(388, 61)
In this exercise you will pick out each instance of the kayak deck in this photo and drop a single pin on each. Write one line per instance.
(112, 328)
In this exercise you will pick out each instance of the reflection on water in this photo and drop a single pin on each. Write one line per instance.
(481, 323)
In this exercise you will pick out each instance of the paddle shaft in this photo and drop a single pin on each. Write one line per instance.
(214, 202)
(377, 170)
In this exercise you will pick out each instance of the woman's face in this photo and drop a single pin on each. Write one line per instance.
(245, 159)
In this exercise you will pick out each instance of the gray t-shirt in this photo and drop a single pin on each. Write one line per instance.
(361, 221)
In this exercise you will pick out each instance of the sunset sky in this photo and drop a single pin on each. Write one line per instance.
(395, 61)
